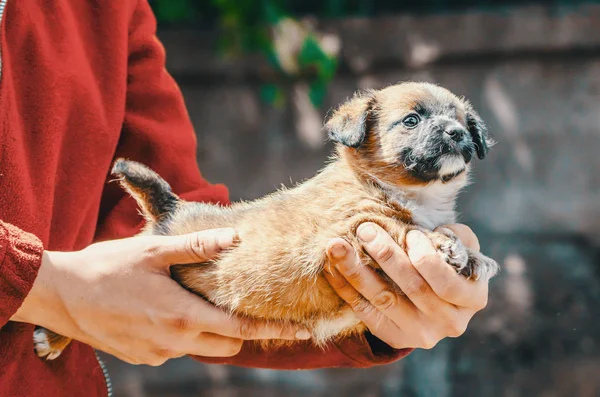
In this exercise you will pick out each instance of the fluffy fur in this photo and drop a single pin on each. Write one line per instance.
(403, 153)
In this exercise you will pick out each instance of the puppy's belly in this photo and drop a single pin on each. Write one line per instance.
(289, 296)
(346, 323)
(279, 276)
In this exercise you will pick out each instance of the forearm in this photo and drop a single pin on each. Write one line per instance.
(42, 305)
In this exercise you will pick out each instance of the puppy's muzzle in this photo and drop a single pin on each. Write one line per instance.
(456, 134)
(459, 140)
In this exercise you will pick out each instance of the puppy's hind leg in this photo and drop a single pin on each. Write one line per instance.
(48, 344)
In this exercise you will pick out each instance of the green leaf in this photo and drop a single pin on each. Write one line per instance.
(328, 68)
(312, 55)
(311, 52)
(272, 94)
(273, 12)
(317, 93)
(174, 10)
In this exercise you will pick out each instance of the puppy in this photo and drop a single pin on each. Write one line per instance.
(402, 155)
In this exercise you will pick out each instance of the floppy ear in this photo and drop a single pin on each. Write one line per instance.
(478, 131)
(348, 124)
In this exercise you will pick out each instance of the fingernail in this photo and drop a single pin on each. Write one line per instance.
(303, 334)
(338, 251)
(227, 237)
(367, 232)
(413, 237)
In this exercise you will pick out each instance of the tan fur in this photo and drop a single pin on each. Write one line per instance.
(275, 272)
(49, 344)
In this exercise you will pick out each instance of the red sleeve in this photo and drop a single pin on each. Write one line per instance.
(157, 131)
(20, 259)
(358, 352)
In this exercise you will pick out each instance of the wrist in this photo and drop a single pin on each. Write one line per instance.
(42, 305)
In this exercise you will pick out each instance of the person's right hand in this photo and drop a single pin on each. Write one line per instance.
(436, 302)
(118, 297)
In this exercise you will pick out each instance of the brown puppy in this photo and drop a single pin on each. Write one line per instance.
(402, 155)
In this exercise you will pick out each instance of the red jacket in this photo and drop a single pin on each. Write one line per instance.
(81, 83)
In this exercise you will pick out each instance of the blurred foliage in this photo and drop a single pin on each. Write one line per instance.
(208, 12)
(248, 28)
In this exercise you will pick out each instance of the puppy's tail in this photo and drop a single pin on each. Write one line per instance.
(152, 193)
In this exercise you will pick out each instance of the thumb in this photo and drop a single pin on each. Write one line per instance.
(196, 247)
(419, 247)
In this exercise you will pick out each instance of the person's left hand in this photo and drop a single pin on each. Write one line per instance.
(438, 303)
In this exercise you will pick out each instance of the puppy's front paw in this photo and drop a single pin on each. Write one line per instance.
(450, 249)
(48, 344)
(480, 267)
(471, 264)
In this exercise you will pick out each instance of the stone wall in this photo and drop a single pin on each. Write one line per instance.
(534, 75)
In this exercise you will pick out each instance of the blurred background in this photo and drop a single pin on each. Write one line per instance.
(259, 77)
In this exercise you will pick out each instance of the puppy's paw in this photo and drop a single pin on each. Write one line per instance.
(48, 344)
(471, 264)
(480, 267)
(450, 249)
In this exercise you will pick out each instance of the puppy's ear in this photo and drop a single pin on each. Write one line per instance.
(478, 131)
(348, 124)
(152, 193)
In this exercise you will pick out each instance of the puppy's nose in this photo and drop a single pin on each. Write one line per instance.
(456, 134)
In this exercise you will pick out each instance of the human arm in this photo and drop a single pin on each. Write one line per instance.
(118, 297)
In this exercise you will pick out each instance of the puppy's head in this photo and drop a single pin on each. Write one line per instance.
(409, 134)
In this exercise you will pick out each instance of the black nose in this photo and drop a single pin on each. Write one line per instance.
(456, 134)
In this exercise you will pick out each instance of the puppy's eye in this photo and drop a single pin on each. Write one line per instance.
(411, 121)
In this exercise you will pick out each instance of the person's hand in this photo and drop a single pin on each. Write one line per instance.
(438, 303)
(118, 297)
